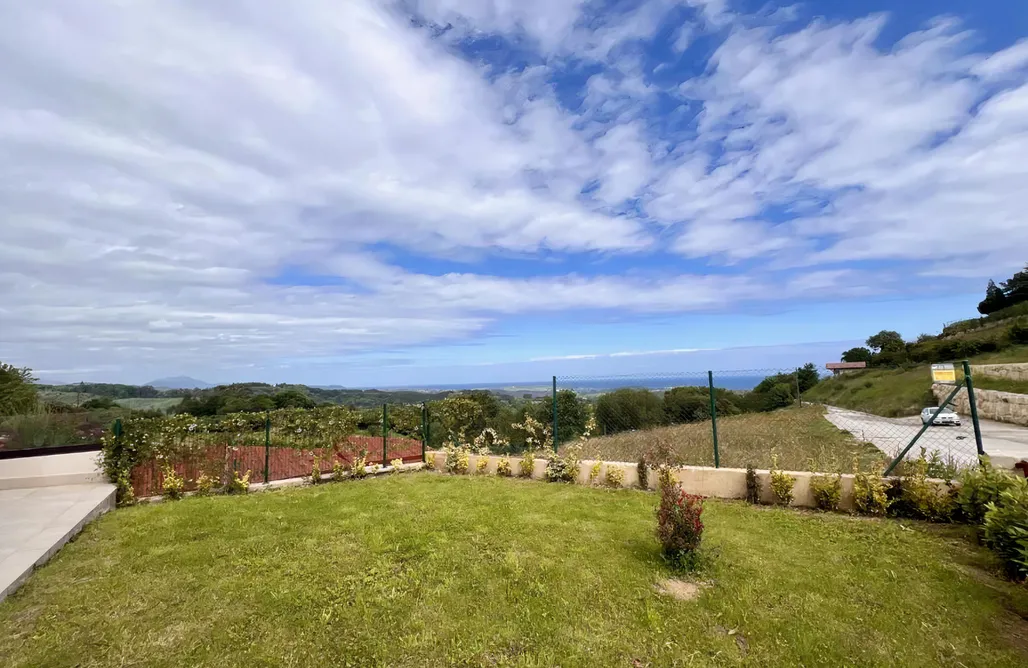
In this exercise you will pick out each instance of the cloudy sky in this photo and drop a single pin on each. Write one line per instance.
(364, 192)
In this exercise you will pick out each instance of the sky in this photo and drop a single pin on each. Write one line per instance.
(378, 192)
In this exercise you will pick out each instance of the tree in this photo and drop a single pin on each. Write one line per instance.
(292, 399)
(686, 404)
(572, 414)
(17, 392)
(807, 376)
(1016, 288)
(995, 299)
(860, 354)
(627, 409)
(886, 341)
(99, 403)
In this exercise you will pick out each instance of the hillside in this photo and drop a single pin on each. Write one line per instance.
(905, 390)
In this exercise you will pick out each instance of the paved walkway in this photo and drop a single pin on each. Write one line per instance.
(36, 522)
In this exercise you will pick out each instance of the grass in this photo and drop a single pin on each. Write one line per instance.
(803, 439)
(900, 392)
(431, 570)
(160, 404)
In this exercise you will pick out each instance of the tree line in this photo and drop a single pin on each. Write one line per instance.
(1010, 292)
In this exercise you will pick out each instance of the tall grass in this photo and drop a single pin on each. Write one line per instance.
(803, 439)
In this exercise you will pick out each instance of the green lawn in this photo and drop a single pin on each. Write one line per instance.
(802, 437)
(430, 570)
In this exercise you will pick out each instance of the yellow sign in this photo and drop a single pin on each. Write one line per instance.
(943, 373)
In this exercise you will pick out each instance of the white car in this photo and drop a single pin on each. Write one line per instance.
(946, 417)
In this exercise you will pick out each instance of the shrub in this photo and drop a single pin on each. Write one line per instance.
(869, 491)
(374, 468)
(397, 464)
(360, 466)
(338, 470)
(1006, 529)
(679, 524)
(752, 485)
(921, 498)
(503, 467)
(458, 459)
(238, 484)
(1019, 331)
(172, 484)
(781, 483)
(827, 491)
(644, 473)
(526, 465)
(627, 409)
(204, 484)
(943, 469)
(594, 472)
(564, 468)
(980, 487)
(429, 461)
(316, 470)
(615, 476)
(482, 465)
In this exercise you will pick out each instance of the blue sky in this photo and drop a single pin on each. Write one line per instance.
(443, 191)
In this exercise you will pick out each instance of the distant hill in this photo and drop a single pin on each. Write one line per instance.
(179, 383)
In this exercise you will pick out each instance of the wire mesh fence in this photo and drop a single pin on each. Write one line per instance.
(754, 417)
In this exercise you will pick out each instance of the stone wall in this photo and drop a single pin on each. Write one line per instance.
(992, 405)
(1007, 371)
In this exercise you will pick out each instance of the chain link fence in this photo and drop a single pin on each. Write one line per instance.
(753, 417)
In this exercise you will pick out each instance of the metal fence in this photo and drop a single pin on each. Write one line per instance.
(755, 417)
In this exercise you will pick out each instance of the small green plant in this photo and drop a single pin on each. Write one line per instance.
(172, 484)
(316, 470)
(980, 487)
(373, 469)
(204, 484)
(458, 459)
(679, 525)
(503, 467)
(338, 470)
(594, 472)
(781, 483)
(827, 491)
(943, 469)
(752, 485)
(644, 472)
(397, 464)
(360, 466)
(482, 466)
(238, 484)
(429, 461)
(615, 476)
(869, 491)
(1005, 529)
(526, 465)
(921, 498)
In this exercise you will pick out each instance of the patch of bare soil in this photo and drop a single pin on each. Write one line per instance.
(683, 590)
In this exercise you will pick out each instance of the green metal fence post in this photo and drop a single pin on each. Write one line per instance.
(713, 418)
(385, 433)
(424, 429)
(556, 439)
(267, 447)
(428, 427)
(974, 408)
(924, 428)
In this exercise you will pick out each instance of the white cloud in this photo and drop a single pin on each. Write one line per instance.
(165, 161)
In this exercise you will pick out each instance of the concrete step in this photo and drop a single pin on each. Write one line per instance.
(79, 468)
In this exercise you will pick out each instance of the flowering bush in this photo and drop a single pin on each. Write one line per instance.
(615, 476)
(397, 464)
(482, 465)
(526, 465)
(679, 524)
(564, 468)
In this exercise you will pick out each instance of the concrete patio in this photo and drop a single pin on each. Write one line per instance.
(44, 502)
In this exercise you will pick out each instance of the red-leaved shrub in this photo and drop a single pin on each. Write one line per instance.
(679, 527)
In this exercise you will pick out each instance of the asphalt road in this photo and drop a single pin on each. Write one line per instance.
(891, 435)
